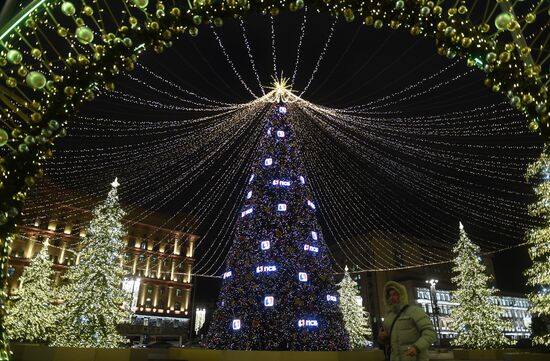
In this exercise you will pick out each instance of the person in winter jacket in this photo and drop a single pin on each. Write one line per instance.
(412, 331)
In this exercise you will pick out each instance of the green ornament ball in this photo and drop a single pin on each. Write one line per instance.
(199, 3)
(12, 212)
(53, 125)
(193, 31)
(40, 139)
(14, 56)
(299, 4)
(503, 20)
(197, 19)
(3, 220)
(85, 35)
(68, 8)
(491, 57)
(400, 4)
(541, 108)
(3, 137)
(36, 80)
(23, 148)
(218, 22)
(46, 132)
(127, 42)
(142, 4)
(29, 139)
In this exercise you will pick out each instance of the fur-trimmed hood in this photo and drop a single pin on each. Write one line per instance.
(402, 290)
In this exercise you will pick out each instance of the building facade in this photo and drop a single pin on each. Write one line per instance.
(514, 310)
(158, 261)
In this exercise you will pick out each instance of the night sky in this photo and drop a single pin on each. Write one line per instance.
(361, 64)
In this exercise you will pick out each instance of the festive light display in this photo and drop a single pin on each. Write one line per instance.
(356, 318)
(93, 302)
(272, 307)
(538, 239)
(55, 55)
(477, 320)
(32, 313)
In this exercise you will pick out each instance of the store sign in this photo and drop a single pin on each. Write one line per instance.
(266, 269)
(308, 323)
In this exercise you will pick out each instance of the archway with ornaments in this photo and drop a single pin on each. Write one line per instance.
(55, 54)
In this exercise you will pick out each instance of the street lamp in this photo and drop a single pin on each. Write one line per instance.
(435, 309)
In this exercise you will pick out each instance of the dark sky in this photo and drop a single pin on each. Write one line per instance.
(360, 64)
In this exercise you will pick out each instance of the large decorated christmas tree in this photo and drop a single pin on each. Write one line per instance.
(477, 319)
(538, 239)
(278, 291)
(94, 301)
(32, 315)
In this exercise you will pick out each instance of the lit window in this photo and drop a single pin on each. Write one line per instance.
(281, 133)
(282, 109)
(269, 131)
(268, 161)
(236, 324)
(251, 178)
(281, 207)
(314, 235)
(331, 298)
(310, 204)
(227, 274)
(302, 180)
(269, 301)
(249, 195)
(265, 245)
(302, 276)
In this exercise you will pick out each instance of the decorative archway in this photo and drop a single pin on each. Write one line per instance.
(55, 53)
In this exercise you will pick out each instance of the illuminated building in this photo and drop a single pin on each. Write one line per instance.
(158, 260)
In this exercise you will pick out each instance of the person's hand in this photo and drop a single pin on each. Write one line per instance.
(411, 351)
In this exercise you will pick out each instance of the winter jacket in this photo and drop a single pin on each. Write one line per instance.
(412, 328)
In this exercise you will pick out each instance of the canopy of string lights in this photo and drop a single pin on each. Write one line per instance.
(400, 160)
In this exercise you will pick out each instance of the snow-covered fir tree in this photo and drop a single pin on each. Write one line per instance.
(538, 239)
(94, 302)
(31, 316)
(356, 319)
(476, 319)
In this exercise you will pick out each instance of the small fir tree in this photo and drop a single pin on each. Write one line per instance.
(31, 316)
(538, 240)
(356, 319)
(476, 319)
(94, 302)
